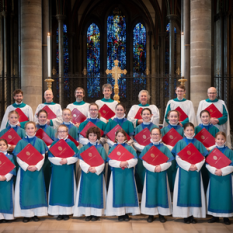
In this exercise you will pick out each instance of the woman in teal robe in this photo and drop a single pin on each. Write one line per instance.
(156, 197)
(220, 189)
(140, 169)
(6, 187)
(62, 188)
(30, 190)
(188, 194)
(91, 193)
(122, 197)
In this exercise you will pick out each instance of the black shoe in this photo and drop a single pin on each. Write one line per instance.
(126, 218)
(88, 218)
(227, 221)
(214, 219)
(150, 218)
(35, 219)
(66, 217)
(162, 219)
(59, 217)
(121, 218)
(186, 220)
(94, 218)
(25, 220)
(3, 221)
(192, 220)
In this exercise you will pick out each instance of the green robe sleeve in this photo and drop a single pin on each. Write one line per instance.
(223, 119)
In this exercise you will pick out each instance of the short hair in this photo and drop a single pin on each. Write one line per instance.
(13, 112)
(221, 133)
(79, 88)
(94, 104)
(28, 123)
(188, 124)
(173, 111)
(203, 111)
(4, 140)
(120, 131)
(17, 91)
(157, 129)
(144, 109)
(144, 91)
(181, 87)
(42, 110)
(107, 86)
(48, 90)
(66, 109)
(120, 104)
(94, 130)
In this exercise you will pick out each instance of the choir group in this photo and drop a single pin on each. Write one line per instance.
(93, 160)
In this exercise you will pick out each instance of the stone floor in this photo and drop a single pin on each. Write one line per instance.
(138, 224)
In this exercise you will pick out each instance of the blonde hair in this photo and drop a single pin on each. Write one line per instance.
(66, 109)
(13, 112)
(221, 133)
(30, 122)
(107, 86)
(62, 126)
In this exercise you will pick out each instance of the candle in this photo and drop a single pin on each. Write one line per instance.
(49, 55)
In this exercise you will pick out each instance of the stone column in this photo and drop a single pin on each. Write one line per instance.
(187, 45)
(200, 38)
(31, 52)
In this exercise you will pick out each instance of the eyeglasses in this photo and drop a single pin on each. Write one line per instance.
(155, 134)
(212, 93)
(93, 110)
(62, 131)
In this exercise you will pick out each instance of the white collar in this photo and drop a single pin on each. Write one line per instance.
(220, 146)
(94, 143)
(94, 118)
(30, 136)
(206, 124)
(173, 125)
(42, 124)
(122, 142)
(120, 117)
(146, 123)
(18, 103)
(63, 138)
(189, 137)
(12, 126)
(4, 152)
(156, 143)
(67, 123)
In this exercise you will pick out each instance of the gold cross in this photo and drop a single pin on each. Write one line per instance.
(116, 74)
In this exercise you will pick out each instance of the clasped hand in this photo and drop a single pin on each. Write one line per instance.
(32, 168)
(193, 167)
(124, 164)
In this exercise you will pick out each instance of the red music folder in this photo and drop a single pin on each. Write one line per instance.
(111, 134)
(171, 137)
(22, 116)
(51, 114)
(30, 155)
(138, 114)
(6, 165)
(217, 159)
(106, 112)
(62, 150)
(191, 154)
(155, 157)
(89, 125)
(44, 136)
(214, 112)
(205, 138)
(120, 154)
(92, 157)
(77, 116)
(73, 140)
(143, 137)
(11, 137)
(183, 115)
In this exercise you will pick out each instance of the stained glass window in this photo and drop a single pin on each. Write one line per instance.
(139, 55)
(93, 61)
(116, 47)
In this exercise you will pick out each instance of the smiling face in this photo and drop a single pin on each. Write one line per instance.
(48, 95)
(173, 118)
(30, 129)
(18, 98)
(92, 137)
(155, 135)
(143, 98)
(120, 111)
(212, 93)
(205, 118)
(42, 118)
(189, 131)
(107, 93)
(66, 115)
(220, 140)
(146, 116)
(120, 137)
(180, 93)
(79, 95)
(62, 132)
(93, 111)
(13, 119)
(3, 146)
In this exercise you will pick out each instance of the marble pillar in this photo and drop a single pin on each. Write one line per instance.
(31, 52)
(200, 49)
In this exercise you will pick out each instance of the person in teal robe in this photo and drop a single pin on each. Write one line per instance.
(30, 190)
(188, 194)
(173, 122)
(140, 170)
(220, 189)
(156, 197)
(88, 202)
(62, 189)
(94, 118)
(122, 197)
(6, 187)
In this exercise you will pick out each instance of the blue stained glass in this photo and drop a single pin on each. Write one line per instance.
(116, 47)
(139, 55)
(93, 61)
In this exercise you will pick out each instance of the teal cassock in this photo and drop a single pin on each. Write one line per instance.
(220, 196)
(32, 193)
(17, 129)
(140, 169)
(62, 180)
(46, 166)
(91, 181)
(212, 130)
(6, 191)
(171, 172)
(189, 189)
(73, 130)
(156, 182)
(124, 187)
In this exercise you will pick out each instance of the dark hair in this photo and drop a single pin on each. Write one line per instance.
(188, 124)
(119, 104)
(79, 88)
(3, 140)
(157, 129)
(42, 110)
(144, 109)
(95, 104)
(120, 131)
(174, 111)
(181, 87)
(17, 91)
(221, 133)
(94, 130)
(203, 111)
